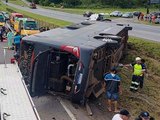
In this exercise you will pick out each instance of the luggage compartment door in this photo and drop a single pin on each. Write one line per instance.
(39, 77)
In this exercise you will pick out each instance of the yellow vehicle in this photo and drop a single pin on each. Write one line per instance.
(26, 26)
(2, 20)
(14, 16)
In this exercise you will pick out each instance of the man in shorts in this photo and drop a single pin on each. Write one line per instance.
(113, 89)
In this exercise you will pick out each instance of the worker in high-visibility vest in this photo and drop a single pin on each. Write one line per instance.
(138, 72)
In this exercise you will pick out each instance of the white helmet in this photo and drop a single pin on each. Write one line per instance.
(138, 58)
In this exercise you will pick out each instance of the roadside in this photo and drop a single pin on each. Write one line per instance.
(18, 2)
(103, 10)
(50, 20)
(148, 97)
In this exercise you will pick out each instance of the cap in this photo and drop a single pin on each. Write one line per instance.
(144, 114)
(124, 112)
(138, 58)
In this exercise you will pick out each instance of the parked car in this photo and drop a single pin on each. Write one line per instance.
(157, 20)
(136, 13)
(87, 14)
(6, 15)
(128, 15)
(116, 14)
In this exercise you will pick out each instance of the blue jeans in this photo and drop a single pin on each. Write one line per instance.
(110, 96)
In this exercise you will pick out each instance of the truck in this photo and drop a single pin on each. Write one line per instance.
(15, 100)
(72, 60)
(2, 20)
(13, 17)
(26, 26)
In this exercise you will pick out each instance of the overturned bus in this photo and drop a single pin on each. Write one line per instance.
(72, 60)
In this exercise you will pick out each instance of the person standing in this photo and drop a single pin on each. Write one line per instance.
(144, 72)
(122, 115)
(17, 40)
(138, 71)
(10, 37)
(113, 89)
(2, 32)
(1, 36)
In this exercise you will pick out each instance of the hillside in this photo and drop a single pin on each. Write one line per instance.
(148, 98)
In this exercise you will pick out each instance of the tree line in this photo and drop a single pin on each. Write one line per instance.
(93, 3)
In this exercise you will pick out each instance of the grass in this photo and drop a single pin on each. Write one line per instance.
(103, 10)
(18, 2)
(53, 21)
(147, 99)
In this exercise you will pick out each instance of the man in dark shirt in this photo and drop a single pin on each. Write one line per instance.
(113, 88)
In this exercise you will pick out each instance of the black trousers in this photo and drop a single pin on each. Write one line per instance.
(141, 82)
(1, 37)
(135, 82)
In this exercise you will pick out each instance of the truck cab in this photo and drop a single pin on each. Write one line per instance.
(26, 26)
(13, 18)
(2, 20)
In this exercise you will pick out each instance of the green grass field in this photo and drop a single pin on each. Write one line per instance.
(146, 99)
(18, 2)
(104, 10)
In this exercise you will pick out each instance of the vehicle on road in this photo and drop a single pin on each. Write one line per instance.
(2, 20)
(72, 60)
(32, 5)
(87, 14)
(127, 15)
(13, 18)
(26, 26)
(136, 13)
(116, 14)
(157, 20)
(5, 14)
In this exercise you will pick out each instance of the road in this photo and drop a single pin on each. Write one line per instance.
(52, 14)
(139, 30)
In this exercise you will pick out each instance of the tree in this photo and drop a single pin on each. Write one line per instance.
(71, 3)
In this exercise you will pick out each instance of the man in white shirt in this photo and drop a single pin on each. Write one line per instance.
(123, 115)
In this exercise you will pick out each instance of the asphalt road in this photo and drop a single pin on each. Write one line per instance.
(139, 30)
(51, 13)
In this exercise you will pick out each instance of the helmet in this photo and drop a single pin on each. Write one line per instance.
(138, 58)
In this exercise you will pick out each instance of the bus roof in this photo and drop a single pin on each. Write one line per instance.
(79, 35)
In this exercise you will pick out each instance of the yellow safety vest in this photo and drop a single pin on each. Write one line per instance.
(137, 70)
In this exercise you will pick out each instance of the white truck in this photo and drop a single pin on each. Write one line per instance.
(15, 101)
